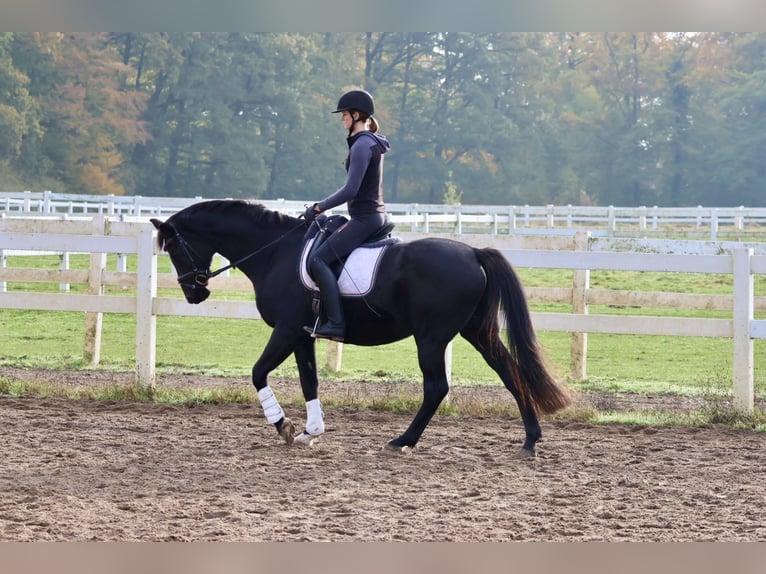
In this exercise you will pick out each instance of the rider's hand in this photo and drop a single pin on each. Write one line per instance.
(311, 212)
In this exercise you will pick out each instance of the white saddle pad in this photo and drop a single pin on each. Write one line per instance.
(358, 274)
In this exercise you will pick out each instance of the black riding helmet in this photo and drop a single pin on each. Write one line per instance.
(356, 100)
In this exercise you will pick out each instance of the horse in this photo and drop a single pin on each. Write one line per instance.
(431, 289)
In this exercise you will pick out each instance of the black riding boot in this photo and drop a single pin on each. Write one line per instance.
(335, 327)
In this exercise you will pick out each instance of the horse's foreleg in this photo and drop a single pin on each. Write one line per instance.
(277, 350)
(305, 358)
(275, 415)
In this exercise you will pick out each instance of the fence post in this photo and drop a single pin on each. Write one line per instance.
(743, 344)
(550, 219)
(642, 218)
(611, 219)
(713, 224)
(146, 320)
(739, 220)
(64, 266)
(414, 212)
(94, 321)
(3, 264)
(578, 354)
(511, 220)
(3, 261)
(334, 356)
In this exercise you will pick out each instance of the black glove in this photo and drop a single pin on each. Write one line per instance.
(311, 212)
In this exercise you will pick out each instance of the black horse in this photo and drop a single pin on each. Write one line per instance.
(431, 288)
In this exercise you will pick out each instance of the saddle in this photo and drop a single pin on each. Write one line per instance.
(356, 272)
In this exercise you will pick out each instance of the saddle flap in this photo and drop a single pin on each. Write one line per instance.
(320, 229)
(358, 273)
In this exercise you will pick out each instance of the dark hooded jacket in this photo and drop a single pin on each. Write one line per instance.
(363, 189)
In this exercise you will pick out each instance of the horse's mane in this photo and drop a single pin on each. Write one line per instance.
(222, 215)
(255, 213)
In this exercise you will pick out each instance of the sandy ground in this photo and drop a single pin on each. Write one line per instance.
(74, 470)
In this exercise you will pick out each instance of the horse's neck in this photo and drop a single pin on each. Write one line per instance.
(257, 249)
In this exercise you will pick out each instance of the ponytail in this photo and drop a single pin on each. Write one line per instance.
(374, 125)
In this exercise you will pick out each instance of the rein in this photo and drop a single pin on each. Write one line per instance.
(202, 276)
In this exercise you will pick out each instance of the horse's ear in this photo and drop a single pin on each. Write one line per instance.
(160, 225)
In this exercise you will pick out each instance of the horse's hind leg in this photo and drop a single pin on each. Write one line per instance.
(435, 388)
(497, 356)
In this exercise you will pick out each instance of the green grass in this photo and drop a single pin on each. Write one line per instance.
(708, 414)
(229, 347)
(115, 392)
(713, 412)
(225, 347)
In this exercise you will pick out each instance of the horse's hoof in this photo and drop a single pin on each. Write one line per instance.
(396, 449)
(287, 431)
(525, 453)
(305, 439)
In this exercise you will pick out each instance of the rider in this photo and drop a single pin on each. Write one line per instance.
(363, 191)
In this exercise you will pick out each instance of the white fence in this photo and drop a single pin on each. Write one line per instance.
(707, 222)
(99, 236)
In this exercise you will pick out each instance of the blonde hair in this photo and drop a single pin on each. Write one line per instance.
(374, 125)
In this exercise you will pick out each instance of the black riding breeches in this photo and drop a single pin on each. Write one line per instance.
(350, 236)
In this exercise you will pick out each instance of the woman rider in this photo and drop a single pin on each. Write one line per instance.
(363, 191)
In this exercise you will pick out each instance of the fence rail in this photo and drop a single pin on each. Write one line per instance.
(582, 253)
(707, 222)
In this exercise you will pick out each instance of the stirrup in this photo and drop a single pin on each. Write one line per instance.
(310, 329)
(338, 336)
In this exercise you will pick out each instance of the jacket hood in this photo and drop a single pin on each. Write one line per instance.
(382, 142)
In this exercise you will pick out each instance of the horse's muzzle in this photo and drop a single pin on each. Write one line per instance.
(196, 294)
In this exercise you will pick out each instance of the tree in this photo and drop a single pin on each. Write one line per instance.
(233, 115)
(504, 118)
(18, 112)
(14, 104)
(741, 101)
(87, 121)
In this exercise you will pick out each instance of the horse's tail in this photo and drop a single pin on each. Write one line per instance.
(537, 387)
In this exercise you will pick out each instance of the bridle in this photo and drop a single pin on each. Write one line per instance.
(199, 277)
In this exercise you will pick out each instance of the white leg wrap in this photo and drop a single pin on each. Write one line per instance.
(314, 418)
(271, 409)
